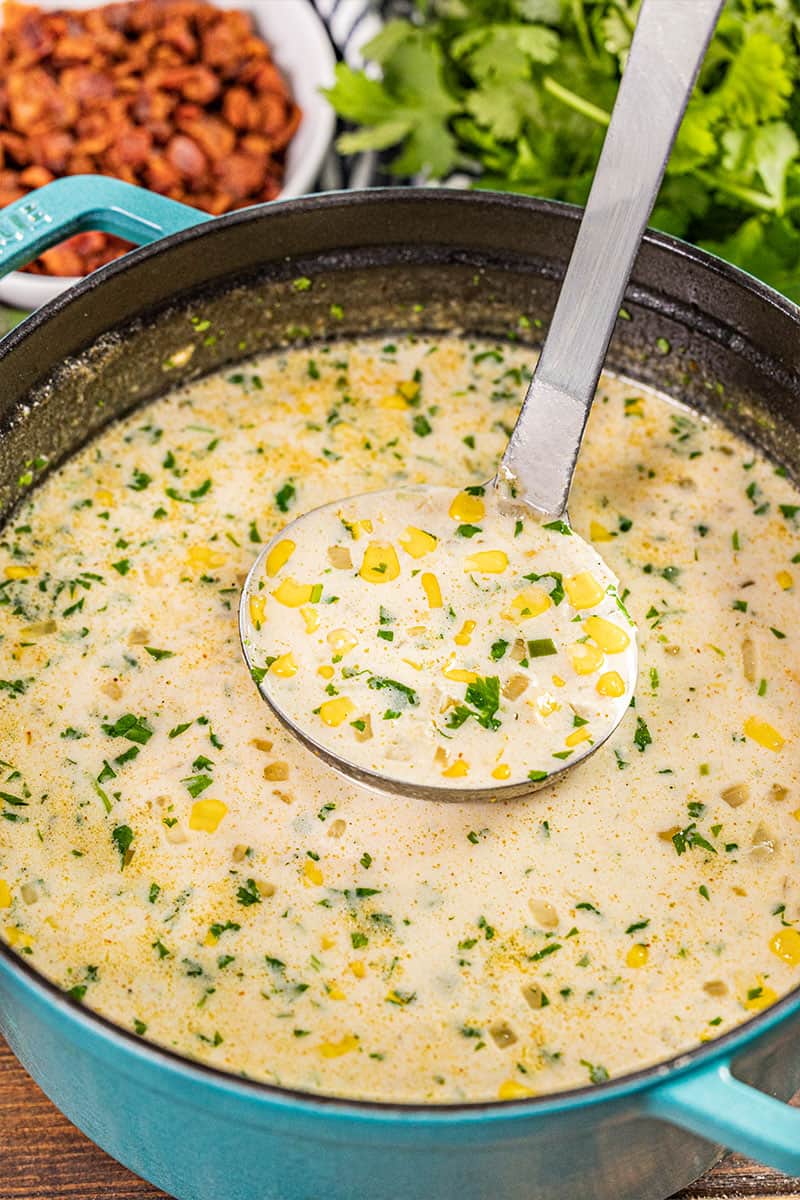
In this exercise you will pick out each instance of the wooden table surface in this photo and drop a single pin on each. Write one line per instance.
(44, 1157)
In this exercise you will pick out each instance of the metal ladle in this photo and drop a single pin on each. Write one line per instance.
(539, 462)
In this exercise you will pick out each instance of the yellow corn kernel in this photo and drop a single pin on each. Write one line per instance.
(257, 605)
(206, 815)
(634, 407)
(759, 997)
(358, 969)
(487, 562)
(326, 672)
(577, 736)
(210, 939)
(584, 658)
(558, 681)
(356, 528)
(312, 873)
(417, 542)
(284, 666)
(531, 602)
(464, 635)
(459, 675)
(510, 1089)
(546, 705)
(5, 894)
(341, 641)
(763, 733)
(796, 814)
(326, 943)
(201, 557)
(379, 564)
(409, 389)
(637, 956)
(785, 580)
(334, 992)
(20, 572)
(335, 712)
(310, 617)
(456, 770)
(293, 594)
(609, 637)
(104, 496)
(395, 400)
(337, 1049)
(583, 590)
(279, 555)
(786, 944)
(599, 533)
(16, 938)
(430, 585)
(466, 508)
(611, 683)
(501, 771)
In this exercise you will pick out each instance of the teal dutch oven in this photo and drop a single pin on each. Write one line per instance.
(382, 261)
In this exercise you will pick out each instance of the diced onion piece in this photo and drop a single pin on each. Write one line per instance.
(544, 913)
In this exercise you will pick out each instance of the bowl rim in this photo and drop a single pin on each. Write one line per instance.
(720, 1050)
(307, 60)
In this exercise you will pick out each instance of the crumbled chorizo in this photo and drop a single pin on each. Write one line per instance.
(175, 95)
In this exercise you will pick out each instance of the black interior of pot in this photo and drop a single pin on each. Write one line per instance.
(360, 263)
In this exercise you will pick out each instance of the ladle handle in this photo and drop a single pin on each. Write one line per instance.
(668, 46)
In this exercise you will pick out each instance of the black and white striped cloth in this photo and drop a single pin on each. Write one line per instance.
(351, 24)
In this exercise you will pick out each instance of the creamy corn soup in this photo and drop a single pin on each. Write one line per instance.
(171, 858)
(441, 652)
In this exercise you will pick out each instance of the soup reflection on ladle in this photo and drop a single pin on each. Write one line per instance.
(468, 643)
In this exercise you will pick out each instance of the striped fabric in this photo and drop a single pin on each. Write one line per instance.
(351, 24)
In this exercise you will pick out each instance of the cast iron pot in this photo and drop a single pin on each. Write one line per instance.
(378, 262)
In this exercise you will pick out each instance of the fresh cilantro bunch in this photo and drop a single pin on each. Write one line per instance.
(517, 94)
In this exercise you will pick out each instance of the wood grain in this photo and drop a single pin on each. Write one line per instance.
(44, 1157)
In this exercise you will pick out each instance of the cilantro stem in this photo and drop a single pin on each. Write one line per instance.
(576, 102)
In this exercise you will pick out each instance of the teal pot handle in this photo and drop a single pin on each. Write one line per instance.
(83, 202)
(716, 1105)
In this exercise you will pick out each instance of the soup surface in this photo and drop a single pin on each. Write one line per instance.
(375, 652)
(173, 859)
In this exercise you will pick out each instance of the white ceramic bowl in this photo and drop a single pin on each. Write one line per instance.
(301, 48)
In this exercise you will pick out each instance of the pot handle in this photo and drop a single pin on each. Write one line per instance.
(79, 203)
(711, 1102)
